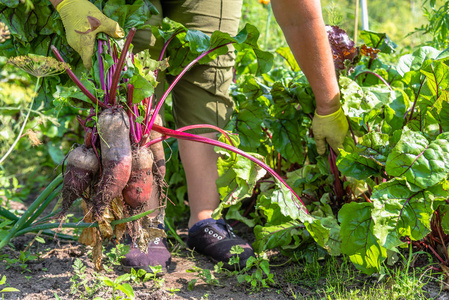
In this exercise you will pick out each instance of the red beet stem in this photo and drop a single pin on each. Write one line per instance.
(118, 70)
(77, 81)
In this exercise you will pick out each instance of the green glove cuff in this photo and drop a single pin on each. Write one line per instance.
(64, 3)
(336, 115)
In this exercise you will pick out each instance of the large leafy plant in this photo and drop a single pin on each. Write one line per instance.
(386, 189)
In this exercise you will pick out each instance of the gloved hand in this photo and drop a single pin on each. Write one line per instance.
(331, 129)
(82, 21)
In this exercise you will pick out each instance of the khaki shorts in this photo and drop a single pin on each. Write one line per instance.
(202, 95)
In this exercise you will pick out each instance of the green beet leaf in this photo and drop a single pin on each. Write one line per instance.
(287, 138)
(287, 54)
(420, 162)
(358, 239)
(444, 116)
(270, 210)
(400, 212)
(378, 40)
(234, 213)
(333, 244)
(367, 159)
(269, 237)
(130, 15)
(326, 237)
(248, 122)
(199, 41)
(357, 165)
(414, 61)
(237, 175)
(142, 88)
(396, 110)
(188, 43)
(437, 77)
(443, 210)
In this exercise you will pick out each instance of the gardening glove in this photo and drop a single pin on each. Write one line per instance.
(82, 21)
(331, 129)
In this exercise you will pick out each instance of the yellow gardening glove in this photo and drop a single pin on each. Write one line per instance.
(331, 129)
(82, 21)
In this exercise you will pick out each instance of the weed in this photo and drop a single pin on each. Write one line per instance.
(258, 279)
(335, 278)
(155, 277)
(203, 274)
(261, 277)
(402, 283)
(6, 289)
(80, 280)
(21, 262)
(142, 276)
(114, 256)
(172, 291)
(117, 284)
(139, 276)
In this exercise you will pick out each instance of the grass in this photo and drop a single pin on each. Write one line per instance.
(336, 278)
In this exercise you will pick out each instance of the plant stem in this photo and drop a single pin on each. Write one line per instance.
(24, 123)
(77, 81)
(55, 225)
(12, 233)
(191, 137)
(101, 70)
(175, 81)
(118, 70)
(339, 193)
(58, 235)
(43, 206)
(175, 235)
(197, 126)
(416, 100)
(377, 75)
(7, 214)
(137, 124)
(79, 225)
(133, 218)
(130, 113)
(352, 131)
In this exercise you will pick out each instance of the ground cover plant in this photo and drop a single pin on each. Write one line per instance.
(385, 192)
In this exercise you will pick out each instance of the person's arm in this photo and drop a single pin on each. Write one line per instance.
(304, 29)
(55, 2)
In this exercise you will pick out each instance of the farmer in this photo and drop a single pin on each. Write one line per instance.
(202, 97)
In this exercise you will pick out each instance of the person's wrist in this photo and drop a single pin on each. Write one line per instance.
(55, 3)
(324, 108)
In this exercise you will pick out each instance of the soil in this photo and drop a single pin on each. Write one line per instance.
(50, 276)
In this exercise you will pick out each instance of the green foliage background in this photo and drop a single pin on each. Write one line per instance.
(281, 103)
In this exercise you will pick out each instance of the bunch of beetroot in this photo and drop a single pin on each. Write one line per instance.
(116, 171)
(121, 166)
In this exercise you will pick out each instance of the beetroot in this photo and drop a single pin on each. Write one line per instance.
(116, 157)
(140, 185)
(82, 165)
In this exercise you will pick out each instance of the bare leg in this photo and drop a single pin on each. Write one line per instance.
(200, 164)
